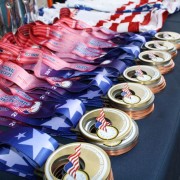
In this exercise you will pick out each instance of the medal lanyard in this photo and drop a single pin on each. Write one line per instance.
(23, 154)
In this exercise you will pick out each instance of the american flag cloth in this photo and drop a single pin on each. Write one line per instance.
(132, 16)
(125, 91)
(139, 72)
(101, 121)
(73, 165)
(120, 16)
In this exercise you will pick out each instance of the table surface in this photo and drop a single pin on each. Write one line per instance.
(157, 154)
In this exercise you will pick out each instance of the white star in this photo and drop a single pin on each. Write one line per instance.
(73, 106)
(104, 72)
(38, 141)
(20, 135)
(13, 158)
(99, 78)
(55, 123)
(91, 94)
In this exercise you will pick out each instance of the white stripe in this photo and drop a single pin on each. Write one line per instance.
(123, 27)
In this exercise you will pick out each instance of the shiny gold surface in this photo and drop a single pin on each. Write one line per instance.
(153, 72)
(166, 56)
(174, 37)
(118, 119)
(141, 91)
(168, 45)
(96, 162)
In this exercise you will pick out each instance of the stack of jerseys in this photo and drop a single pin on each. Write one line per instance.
(120, 16)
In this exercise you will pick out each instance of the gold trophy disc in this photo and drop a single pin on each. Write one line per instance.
(120, 126)
(140, 91)
(95, 162)
(168, 36)
(159, 45)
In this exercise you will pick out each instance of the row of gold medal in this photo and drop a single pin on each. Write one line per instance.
(121, 134)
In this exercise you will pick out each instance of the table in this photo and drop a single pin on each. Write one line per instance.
(157, 154)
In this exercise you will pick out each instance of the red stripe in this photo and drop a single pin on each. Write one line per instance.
(147, 19)
(100, 23)
(114, 26)
(133, 27)
(130, 18)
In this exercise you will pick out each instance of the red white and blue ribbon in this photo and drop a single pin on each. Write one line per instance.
(126, 92)
(73, 165)
(101, 122)
(24, 153)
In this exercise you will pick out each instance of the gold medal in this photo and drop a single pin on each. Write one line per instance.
(162, 46)
(120, 126)
(150, 58)
(94, 163)
(168, 36)
(142, 103)
(155, 81)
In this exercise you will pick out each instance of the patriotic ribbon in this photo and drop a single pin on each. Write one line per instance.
(73, 165)
(139, 72)
(126, 92)
(101, 121)
(71, 111)
(24, 154)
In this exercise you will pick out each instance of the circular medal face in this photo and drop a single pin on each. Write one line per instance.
(154, 57)
(80, 175)
(91, 156)
(159, 45)
(132, 99)
(111, 133)
(120, 125)
(141, 96)
(169, 36)
(144, 78)
(150, 74)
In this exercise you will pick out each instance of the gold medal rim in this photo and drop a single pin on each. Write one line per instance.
(153, 63)
(143, 67)
(128, 106)
(158, 41)
(56, 154)
(170, 40)
(94, 138)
